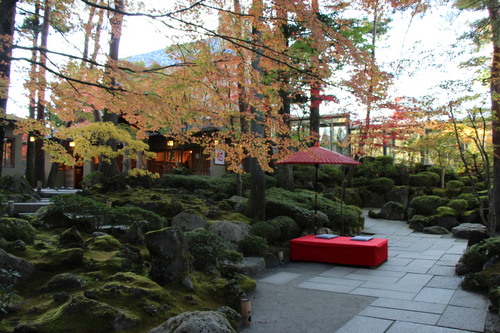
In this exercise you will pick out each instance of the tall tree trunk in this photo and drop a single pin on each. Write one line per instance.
(242, 98)
(110, 169)
(494, 15)
(314, 115)
(7, 23)
(40, 114)
(284, 174)
(30, 146)
(257, 200)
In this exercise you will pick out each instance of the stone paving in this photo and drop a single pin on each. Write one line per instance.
(415, 290)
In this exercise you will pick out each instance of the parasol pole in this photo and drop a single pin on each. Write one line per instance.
(316, 200)
(342, 208)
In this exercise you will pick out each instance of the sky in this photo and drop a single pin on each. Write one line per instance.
(417, 47)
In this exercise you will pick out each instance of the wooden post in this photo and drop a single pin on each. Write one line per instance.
(246, 311)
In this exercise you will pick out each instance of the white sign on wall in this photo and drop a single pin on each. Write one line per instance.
(219, 156)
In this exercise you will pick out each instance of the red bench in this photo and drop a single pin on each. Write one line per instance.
(339, 250)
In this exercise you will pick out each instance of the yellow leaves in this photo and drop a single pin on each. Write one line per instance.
(93, 139)
(142, 173)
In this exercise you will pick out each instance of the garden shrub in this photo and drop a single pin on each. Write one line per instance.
(381, 185)
(434, 169)
(471, 199)
(360, 181)
(221, 187)
(454, 187)
(280, 228)
(425, 205)
(459, 205)
(287, 226)
(419, 222)
(182, 171)
(127, 215)
(478, 254)
(480, 186)
(330, 175)
(141, 178)
(304, 174)
(446, 211)
(267, 230)
(245, 180)
(466, 180)
(208, 250)
(91, 179)
(299, 205)
(384, 160)
(423, 179)
(85, 213)
(253, 246)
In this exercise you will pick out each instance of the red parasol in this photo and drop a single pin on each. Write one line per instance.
(317, 155)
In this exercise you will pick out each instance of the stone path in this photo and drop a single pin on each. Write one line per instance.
(416, 290)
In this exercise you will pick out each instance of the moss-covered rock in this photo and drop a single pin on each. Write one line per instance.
(103, 243)
(14, 228)
(60, 258)
(63, 281)
(99, 317)
(197, 321)
(129, 287)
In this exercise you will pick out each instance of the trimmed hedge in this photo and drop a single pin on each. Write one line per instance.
(425, 205)
(381, 185)
(423, 179)
(280, 228)
(459, 205)
(299, 205)
(471, 199)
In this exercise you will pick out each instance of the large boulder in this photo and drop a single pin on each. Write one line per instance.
(24, 268)
(168, 251)
(399, 194)
(195, 322)
(392, 211)
(17, 184)
(13, 229)
(372, 199)
(436, 230)
(189, 221)
(445, 221)
(231, 232)
(465, 230)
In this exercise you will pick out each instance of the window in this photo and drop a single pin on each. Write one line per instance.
(8, 152)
